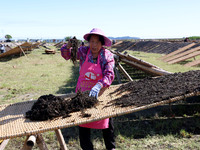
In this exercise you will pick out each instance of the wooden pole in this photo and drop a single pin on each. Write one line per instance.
(124, 72)
(3, 144)
(116, 68)
(25, 146)
(134, 59)
(117, 74)
(61, 140)
(40, 142)
(22, 50)
(154, 71)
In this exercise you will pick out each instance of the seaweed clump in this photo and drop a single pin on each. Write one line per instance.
(48, 107)
(74, 50)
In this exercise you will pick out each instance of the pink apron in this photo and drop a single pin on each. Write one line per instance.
(89, 75)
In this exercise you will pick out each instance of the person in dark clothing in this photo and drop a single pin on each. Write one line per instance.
(186, 39)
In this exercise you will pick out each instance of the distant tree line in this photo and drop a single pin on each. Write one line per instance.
(194, 38)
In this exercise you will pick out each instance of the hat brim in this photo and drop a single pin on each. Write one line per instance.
(107, 41)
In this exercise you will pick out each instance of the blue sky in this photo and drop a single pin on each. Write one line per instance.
(61, 18)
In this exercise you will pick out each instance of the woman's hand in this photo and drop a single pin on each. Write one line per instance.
(95, 90)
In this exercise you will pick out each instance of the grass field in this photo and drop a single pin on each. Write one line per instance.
(26, 78)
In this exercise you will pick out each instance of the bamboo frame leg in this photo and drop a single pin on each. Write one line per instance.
(61, 140)
(40, 142)
(3, 144)
(117, 74)
(25, 146)
(124, 72)
(116, 69)
(22, 51)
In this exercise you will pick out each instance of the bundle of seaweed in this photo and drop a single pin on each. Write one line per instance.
(74, 50)
(50, 106)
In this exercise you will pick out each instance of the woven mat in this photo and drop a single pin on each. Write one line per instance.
(14, 124)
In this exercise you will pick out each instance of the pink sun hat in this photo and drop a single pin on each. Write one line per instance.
(97, 31)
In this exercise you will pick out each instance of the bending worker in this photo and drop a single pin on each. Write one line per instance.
(96, 74)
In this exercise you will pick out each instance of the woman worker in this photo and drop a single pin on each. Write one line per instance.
(96, 73)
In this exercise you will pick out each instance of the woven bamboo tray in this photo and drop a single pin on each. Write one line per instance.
(14, 124)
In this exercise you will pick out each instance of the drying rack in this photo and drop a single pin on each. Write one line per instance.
(14, 124)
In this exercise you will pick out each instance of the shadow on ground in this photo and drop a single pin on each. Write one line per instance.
(184, 62)
(70, 85)
(8, 58)
(160, 120)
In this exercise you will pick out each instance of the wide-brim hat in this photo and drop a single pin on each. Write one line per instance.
(97, 31)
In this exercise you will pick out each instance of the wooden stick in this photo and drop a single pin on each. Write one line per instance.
(124, 72)
(132, 58)
(3, 144)
(154, 71)
(58, 43)
(61, 140)
(116, 68)
(22, 50)
(117, 43)
(117, 74)
(25, 146)
(40, 142)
